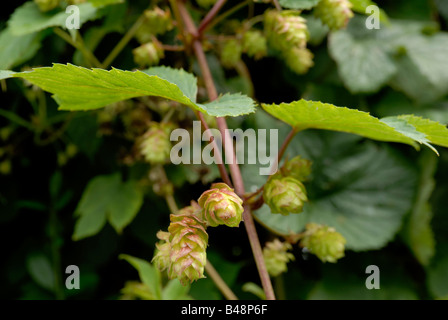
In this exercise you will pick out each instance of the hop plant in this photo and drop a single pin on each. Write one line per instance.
(155, 144)
(220, 205)
(276, 257)
(193, 209)
(188, 241)
(297, 168)
(148, 54)
(323, 241)
(255, 44)
(157, 21)
(231, 53)
(334, 13)
(284, 195)
(299, 60)
(47, 5)
(206, 3)
(161, 257)
(285, 29)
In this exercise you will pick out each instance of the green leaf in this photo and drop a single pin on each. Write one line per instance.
(304, 114)
(361, 189)
(102, 3)
(299, 4)
(41, 271)
(107, 198)
(363, 64)
(255, 289)
(438, 276)
(360, 6)
(14, 50)
(418, 232)
(78, 88)
(29, 19)
(5, 74)
(174, 290)
(149, 275)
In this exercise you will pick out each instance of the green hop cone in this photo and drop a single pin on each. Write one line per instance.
(284, 195)
(157, 21)
(334, 13)
(297, 168)
(255, 44)
(155, 145)
(285, 29)
(47, 5)
(163, 251)
(276, 257)
(231, 53)
(327, 244)
(206, 3)
(188, 240)
(220, 205)
(148, 54)
(299, 60)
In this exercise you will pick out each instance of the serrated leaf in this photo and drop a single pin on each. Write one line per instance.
(149, 275)
(299, 4)
(304, 114)
(29, 19)
(360, 189)
(77, 88)
(15, 50)
(363, 65)
(107, 198)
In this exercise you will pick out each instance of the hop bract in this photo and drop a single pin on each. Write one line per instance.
(284, 195)
(276, 257)
(193, 209)
(220, 205)
(163, 251)
(155, 145)
(323, 241)
(334, 13)
(188, 240)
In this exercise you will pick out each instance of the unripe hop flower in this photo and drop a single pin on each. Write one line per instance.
(284, 195)
(285, 29)
(276, 257)
(220, 205)
(324, 242)
(162, 258)
(334, 13)
(47, 5)
(155, 145)
(148, 54)
(188, 240)
(157, 21)
(297, 168)
(299, 60)
(255, 44)
(231, 53)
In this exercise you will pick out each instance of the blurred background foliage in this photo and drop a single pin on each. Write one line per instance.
(391, 199)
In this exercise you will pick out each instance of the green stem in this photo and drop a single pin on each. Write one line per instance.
(123, 42)
(16, 119)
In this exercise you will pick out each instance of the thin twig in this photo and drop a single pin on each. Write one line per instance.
(225, 14)
(211, 15)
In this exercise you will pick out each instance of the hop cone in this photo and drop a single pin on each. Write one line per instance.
(324, 242)
(276, 257)
(148, 54)
(284, 194)
(334, 13)
(155, 144)
(163, 251)
(47, 5)
(299, 60)
(231, 53)
(220, 205)
(255, 44)
(285, 29)
(188, 240)
(157, 21)
(297, 168)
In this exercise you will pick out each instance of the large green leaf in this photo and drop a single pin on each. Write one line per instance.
(362, 190)
(107, 198)
(149, 275)
(299, 4)
(78, 88)
(29, 19)
(15, 50)
(363, 64)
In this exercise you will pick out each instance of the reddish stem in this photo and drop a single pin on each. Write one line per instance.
(211, 15)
